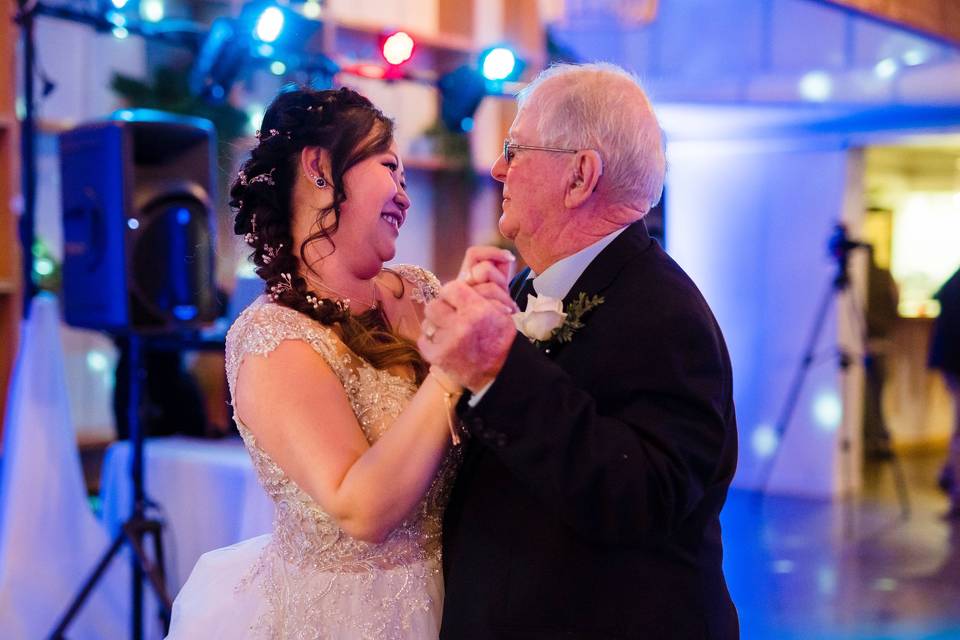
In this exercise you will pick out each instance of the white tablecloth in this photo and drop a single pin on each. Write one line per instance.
(207, 490)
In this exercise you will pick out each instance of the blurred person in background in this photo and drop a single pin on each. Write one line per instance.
(945, 356)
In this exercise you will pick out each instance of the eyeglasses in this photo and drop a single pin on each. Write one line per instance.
(510, 147)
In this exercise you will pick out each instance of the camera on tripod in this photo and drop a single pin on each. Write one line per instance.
(839, 246)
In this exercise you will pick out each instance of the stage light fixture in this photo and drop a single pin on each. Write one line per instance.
(498, 63)
(116, 18)
(460, 94)
(221, 58)
(462, 90)
(311, 9)
(152, 10)
(119, 4)
(397, 47)
(276, 32)
(269, 24)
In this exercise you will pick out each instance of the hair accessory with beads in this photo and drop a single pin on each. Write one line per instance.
(270, 253)
(251, 237)
(272, 133)
(279, 288)
(266, 178)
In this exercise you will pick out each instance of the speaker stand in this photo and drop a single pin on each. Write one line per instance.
(134, 531)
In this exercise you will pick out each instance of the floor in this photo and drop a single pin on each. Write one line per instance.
(817, 570)
(804, 569)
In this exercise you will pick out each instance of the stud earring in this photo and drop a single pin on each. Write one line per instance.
(321, 182)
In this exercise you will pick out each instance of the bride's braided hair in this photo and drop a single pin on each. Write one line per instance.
(352, 129)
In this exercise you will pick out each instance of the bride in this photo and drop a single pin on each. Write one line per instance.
(349, 431)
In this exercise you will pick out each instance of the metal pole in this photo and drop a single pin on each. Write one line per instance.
(28, 155)
(136, 472)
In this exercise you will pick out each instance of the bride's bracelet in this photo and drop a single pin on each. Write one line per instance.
(449, 397)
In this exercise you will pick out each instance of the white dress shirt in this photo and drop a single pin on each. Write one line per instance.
(557, 280)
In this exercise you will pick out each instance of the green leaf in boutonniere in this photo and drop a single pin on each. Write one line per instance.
(574, 320)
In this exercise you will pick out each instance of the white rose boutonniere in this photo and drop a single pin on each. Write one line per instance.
(542, 317)
(545, 320)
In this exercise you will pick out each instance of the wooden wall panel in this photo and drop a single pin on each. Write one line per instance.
(940, 18)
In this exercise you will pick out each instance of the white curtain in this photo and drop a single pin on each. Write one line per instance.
(49, 538)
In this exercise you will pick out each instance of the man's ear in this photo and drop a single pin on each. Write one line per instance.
(587, 169)
(315, 163)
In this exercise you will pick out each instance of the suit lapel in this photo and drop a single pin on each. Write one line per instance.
(604, 269)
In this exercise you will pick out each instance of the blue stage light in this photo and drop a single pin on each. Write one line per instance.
(269, 24)
(220, 61)
(152, 10)
(498, 63)
(116, 18)
(461, 92)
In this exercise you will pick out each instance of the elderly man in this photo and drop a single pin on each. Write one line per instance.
(599, 444)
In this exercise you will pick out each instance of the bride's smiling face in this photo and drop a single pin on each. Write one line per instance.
(374, 211)
(370, 217)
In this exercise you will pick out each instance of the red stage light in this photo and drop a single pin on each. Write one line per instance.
(367, 71)
(397, 48)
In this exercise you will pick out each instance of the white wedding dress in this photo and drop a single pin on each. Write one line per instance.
(309, 579)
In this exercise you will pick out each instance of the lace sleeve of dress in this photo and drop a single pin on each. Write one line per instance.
(263, 326)
(426, 285)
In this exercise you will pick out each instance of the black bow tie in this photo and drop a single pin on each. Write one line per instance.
(525, 290)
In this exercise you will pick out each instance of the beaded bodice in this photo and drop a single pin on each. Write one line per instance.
(304, 535)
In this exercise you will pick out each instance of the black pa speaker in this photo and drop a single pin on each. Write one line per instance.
(138, 227)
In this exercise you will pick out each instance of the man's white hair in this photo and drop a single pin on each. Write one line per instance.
(601, 106)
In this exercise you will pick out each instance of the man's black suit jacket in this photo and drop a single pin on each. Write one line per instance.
(587, 504)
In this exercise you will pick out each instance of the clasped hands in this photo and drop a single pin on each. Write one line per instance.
(468, 330)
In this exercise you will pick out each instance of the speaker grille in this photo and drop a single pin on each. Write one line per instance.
(172, 263)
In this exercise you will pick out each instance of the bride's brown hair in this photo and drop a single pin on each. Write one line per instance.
(351, 129)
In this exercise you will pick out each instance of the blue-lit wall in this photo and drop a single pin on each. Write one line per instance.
(750, 222)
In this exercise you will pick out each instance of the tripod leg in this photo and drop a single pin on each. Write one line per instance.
(135, 532)
(159, 576)
(87, 587)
